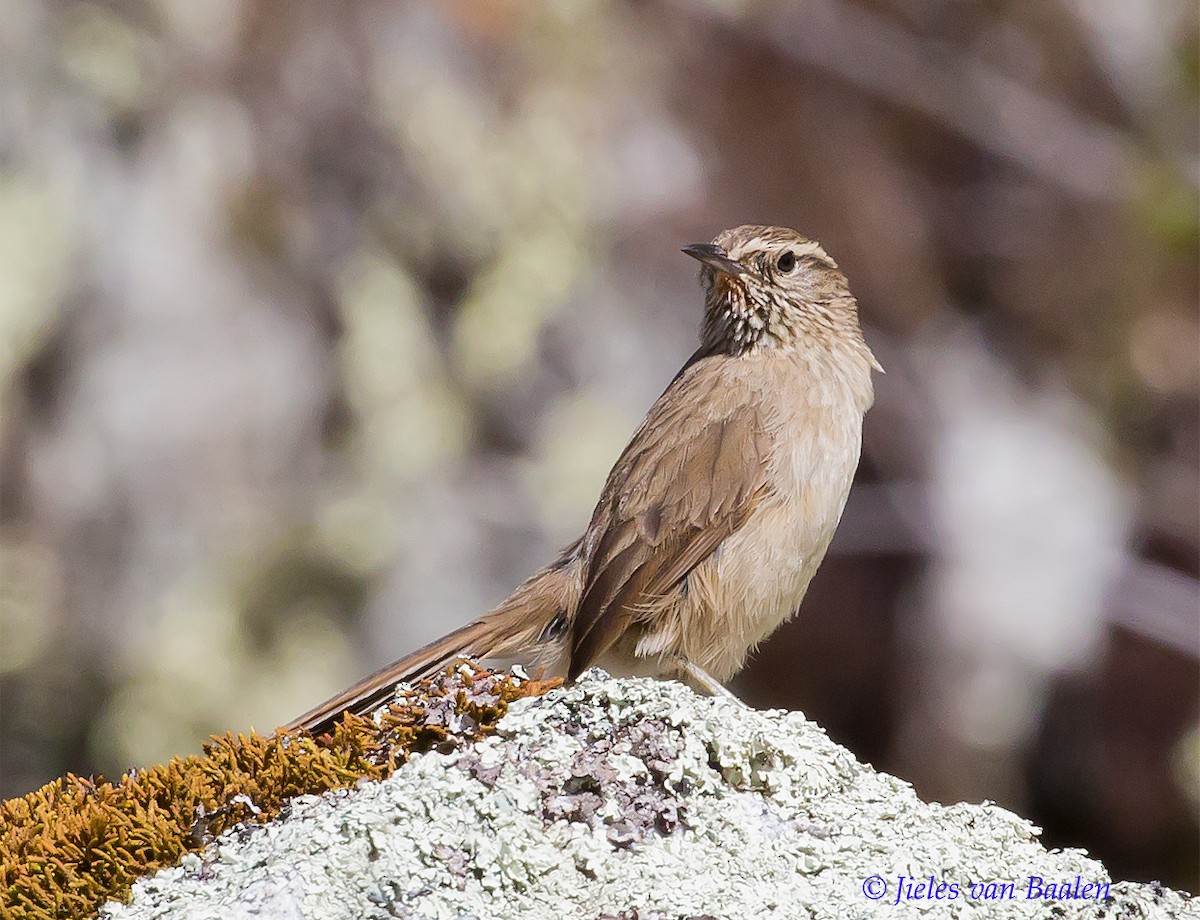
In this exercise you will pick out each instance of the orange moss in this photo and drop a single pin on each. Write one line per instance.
(75, 843)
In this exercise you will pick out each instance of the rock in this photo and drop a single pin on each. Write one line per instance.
(639, 800)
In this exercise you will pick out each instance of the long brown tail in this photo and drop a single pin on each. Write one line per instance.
(376, 689)
(533, 620)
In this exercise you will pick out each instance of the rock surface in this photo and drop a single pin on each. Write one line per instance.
(640, 800)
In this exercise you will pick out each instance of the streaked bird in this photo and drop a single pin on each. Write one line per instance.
(718, 512)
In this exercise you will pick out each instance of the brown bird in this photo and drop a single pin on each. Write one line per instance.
(716, 516)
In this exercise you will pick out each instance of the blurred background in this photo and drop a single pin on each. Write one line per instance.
(321, 325)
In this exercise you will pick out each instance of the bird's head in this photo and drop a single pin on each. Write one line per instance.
(770, 287)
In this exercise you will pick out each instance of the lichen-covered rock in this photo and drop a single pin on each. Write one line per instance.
(638, 800)
(69, 847)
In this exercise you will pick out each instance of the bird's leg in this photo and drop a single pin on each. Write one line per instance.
(706, 681)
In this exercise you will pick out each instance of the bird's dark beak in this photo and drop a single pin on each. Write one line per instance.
(714, 257)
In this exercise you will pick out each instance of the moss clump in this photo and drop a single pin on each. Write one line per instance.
(75, 843)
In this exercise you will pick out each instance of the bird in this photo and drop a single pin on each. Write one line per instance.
(717, 514)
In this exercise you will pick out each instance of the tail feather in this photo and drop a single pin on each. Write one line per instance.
(532, 621)
(376, 689)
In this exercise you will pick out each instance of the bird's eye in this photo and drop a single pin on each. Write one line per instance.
(787, 262)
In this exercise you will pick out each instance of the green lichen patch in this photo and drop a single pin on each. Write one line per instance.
(636, 798)
(75, 843)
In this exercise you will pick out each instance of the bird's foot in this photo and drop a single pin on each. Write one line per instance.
(706, 681)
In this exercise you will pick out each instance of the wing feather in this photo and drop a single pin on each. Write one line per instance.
(670, 502)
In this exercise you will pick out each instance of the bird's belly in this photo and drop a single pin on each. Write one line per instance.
(759, 575)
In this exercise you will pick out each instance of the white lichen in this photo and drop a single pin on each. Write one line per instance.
(635, 799)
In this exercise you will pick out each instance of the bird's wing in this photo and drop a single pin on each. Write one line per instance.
(691, 476)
